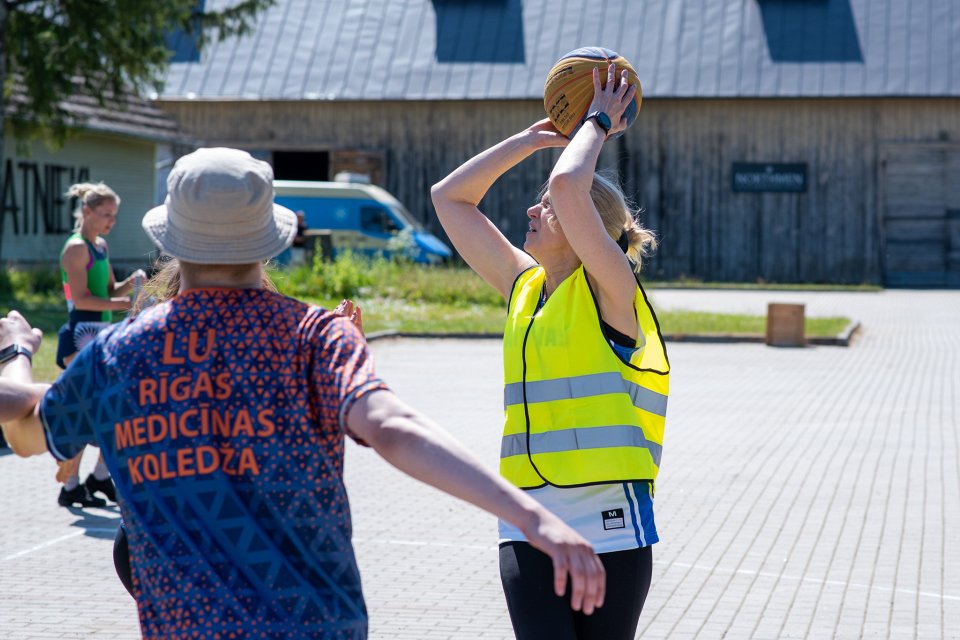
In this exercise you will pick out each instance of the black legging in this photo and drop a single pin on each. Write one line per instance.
(537, 613)
(121, 559)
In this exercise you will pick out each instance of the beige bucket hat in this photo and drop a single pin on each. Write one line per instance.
(219, 210)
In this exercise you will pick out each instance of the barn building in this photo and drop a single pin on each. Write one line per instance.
(779, 140)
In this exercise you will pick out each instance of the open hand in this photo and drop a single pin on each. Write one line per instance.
(572, 555)
(15, 329)
(348, 309)
(613, 98)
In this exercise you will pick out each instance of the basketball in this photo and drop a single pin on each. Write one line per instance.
(568, 91)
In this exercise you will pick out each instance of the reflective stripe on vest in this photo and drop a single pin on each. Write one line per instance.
(575, 413)
(592, 384)
(578, 439)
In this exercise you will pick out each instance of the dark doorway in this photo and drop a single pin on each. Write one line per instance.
(301, 165)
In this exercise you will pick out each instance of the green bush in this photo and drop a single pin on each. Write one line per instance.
(18, 283)
(438, 284)
(352, 275)
(344, 277)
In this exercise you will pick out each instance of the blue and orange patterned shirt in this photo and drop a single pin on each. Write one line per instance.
(220, 414)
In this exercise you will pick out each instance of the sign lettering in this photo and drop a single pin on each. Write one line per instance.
(32, 200)
(775, 177)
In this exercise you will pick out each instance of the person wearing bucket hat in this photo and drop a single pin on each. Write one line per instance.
(219, 209)
(222, 414)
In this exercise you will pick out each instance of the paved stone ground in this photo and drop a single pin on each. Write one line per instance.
(805, 493)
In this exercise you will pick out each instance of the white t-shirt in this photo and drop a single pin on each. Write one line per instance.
(612, 517)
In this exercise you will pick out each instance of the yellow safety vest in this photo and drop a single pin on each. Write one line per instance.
(575, 413)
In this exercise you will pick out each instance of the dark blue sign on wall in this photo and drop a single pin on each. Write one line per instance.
(781, 177)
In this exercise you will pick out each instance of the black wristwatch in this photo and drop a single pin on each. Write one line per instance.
(602, 119)
(14, 350)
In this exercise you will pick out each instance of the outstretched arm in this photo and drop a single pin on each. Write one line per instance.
(457, 198)
(419, 448)
(18, 399)
(19, 396)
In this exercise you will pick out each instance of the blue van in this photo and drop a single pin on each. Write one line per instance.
(360, 217)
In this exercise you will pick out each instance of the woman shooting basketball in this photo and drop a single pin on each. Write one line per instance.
(585, 369)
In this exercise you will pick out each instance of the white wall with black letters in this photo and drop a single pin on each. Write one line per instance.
(36, 217)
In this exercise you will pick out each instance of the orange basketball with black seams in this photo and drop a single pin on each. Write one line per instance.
(568, 91)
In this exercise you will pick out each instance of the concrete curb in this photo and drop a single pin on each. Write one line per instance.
(384, 335)
(842, 339)
(845, 337)
(717, 338)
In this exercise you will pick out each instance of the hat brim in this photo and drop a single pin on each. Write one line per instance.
(225, 248)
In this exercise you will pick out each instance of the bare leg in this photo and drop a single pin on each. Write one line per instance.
(69, 469)
(68, 473)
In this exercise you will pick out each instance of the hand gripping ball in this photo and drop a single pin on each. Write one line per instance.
(568, 91)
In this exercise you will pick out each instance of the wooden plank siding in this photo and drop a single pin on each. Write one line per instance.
(920, 213)
(676, 163)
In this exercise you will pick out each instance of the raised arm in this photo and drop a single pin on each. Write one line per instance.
(421, 449)
(570, 184)
(457, 198)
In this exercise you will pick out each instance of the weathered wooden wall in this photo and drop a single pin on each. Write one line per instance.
(676, 163)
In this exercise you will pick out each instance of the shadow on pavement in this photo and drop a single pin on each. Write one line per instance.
(95, 523)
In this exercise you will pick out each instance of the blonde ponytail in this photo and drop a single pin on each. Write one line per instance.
(620, 219)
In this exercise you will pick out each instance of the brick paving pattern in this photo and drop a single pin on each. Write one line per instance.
(805, 493)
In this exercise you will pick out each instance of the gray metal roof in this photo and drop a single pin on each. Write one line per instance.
(502, 49)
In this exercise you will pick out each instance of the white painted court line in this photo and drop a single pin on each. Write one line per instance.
(50, 543)
(424, 543)
(699, 567)
(433, 543)
(835, 583)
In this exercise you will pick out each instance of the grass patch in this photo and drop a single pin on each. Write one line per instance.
(395, 296)
(49, 316)
(759, 286)
(351, 276)
(702, 323)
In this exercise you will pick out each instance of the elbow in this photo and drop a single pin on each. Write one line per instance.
(19, 446)
(84, 303)
(564, 182)
(442, 200)
(439, 195)
(20, 451)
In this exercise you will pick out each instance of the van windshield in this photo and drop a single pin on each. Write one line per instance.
(401, 212)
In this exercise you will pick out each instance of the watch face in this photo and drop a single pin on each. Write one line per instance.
(12, 351)
(604, 120)
(7, 353)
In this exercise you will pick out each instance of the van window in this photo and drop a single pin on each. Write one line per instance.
(377, 219)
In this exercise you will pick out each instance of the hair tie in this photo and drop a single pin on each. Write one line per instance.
(622, 241)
